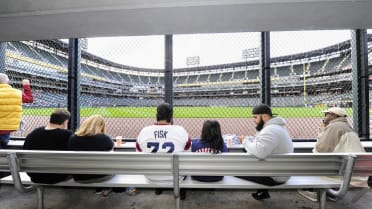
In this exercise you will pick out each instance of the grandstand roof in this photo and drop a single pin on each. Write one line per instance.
(336, 48)
(41, 19)
(62, 46)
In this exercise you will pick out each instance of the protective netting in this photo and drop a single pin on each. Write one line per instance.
(215, 76)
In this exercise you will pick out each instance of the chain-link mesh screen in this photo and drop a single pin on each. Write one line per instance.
(310, 71)
(128, 76)
(44, 63)
(369, 33)
(216, 76)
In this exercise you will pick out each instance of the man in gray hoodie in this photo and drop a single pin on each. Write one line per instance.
(271, 138)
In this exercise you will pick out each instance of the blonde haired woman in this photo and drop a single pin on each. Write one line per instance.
(91, 137)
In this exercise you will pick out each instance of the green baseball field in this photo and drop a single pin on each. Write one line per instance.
(186, 112)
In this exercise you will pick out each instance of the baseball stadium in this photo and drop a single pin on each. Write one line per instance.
(302, 85)
(185, 104)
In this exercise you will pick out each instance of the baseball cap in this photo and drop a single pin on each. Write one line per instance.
(337, 111)
(262, 109)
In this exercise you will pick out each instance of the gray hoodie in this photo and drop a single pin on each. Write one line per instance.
(272, 139)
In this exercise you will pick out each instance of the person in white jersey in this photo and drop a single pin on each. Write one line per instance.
(163, 137)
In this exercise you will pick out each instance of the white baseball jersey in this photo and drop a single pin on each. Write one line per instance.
(163, 138)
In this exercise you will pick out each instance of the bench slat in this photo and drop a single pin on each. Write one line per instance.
(248, 165)
(95, 162)
(3, 162)
(232, 182)
(115, 181)
(306, 169)
(363, 165)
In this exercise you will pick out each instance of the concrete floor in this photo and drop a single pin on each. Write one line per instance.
(77, 198)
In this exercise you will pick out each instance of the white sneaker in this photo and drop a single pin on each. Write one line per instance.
(312, 196)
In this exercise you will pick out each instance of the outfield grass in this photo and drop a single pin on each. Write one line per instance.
(186, 112)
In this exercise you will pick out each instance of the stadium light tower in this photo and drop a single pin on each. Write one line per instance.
(84, 44)
(191, 61)
(249, 53)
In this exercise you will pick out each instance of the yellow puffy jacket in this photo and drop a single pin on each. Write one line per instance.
(10, 107)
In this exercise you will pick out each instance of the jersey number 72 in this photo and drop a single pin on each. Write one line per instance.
(165, 147)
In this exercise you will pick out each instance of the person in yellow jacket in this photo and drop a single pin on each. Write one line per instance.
(11, 107)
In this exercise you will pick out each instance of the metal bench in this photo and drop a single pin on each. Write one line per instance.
(362, 167)
(4, 166)
(129, 168)
(306, 171)
(363, 164)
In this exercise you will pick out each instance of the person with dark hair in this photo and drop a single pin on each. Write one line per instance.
(211, 141)
(163, 137)
(271, 138)
(164, 112)
(54, 136)
(11, 100)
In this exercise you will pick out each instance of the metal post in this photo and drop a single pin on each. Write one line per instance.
(305, 91)
(322, 198)
(360, 88)
(176, 181)
(14, 171)
(40, 197)
(74, 55)
(2, 56)
(168, 72)
(265, 68)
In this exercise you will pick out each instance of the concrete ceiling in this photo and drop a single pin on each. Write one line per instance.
(48, 19)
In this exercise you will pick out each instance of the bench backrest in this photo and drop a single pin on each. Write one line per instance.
(363, 164)
(73, 162)
(237, 164)
(78, 162)
(4, 167)
(294, 164)
(233, 164)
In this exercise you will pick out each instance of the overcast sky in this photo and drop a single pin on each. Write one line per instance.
(148, 51)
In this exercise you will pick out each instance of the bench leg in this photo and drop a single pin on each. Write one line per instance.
(178, 202)
(40, 197)
(322, 198)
